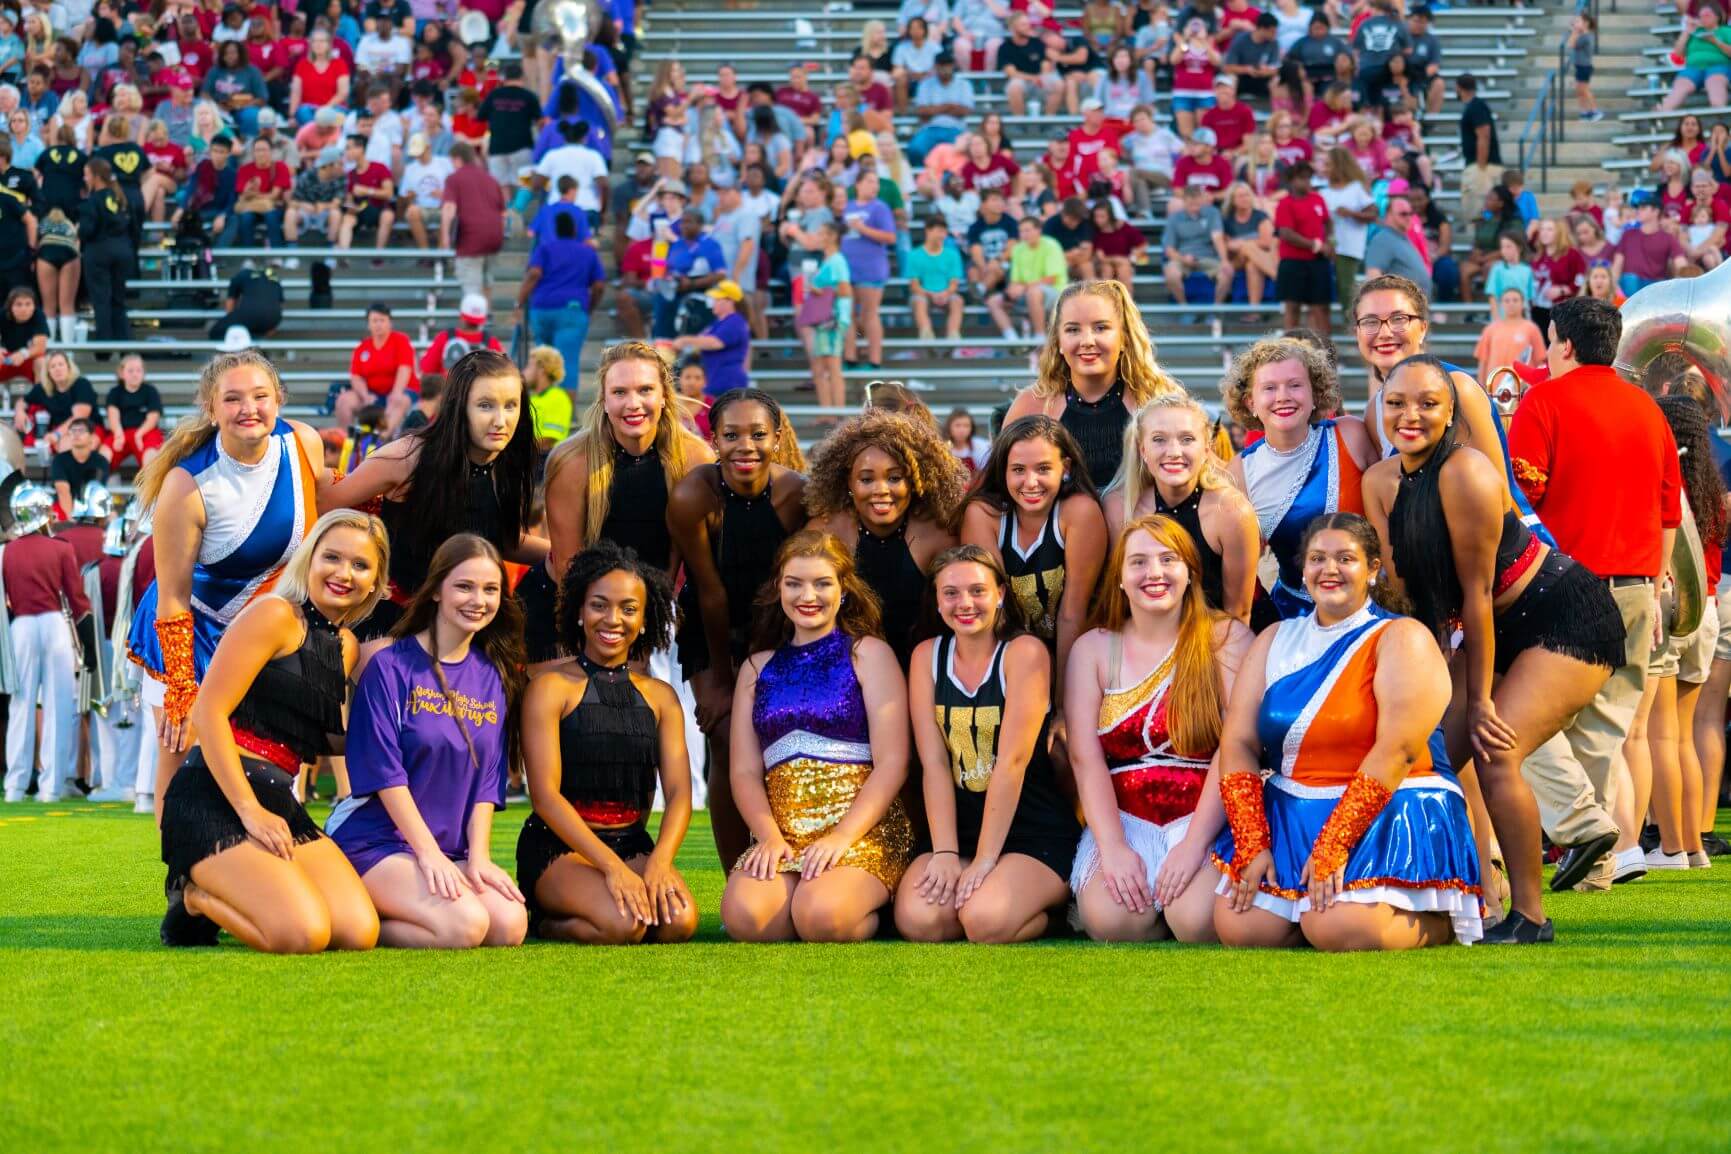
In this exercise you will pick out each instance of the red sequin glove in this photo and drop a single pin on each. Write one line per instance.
(1241, 794)
(1365, 797)
(174, 635)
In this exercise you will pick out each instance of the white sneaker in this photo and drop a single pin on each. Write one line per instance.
(14, 796)
(1658, 859)
(292, 263)
(1630, 864)
(56, 799)
(144, 803)
(1698, 860)
(111, 793)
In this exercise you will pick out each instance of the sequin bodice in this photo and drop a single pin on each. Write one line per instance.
(809, 704)
(1150, 778)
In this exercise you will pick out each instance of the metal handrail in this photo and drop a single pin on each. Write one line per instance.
(1543, 133)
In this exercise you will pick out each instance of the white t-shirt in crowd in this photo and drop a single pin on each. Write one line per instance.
(424, 180)
(580, 162)
(388, 134)
(376, 55)
(1349, 235)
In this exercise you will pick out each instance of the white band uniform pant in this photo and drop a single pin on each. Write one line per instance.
(44, 665)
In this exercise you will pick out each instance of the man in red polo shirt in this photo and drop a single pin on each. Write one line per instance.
(1597, 459)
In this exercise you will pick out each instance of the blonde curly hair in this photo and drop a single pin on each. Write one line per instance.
(1140, 373)
(935, 478)
(1235, 387)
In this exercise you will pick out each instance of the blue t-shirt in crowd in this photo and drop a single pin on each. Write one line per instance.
(568, 267)
(868, 261)
(543, 223)
(725, 368)
(403, 731)
(698, 257)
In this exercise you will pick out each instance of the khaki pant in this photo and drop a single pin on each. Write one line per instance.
(1575, 774)
(1475, 183)
(474, 273)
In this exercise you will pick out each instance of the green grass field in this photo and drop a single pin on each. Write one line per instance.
(1616, 1039)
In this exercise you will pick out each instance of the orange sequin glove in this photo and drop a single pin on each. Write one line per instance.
(1241, 794)
(174, 635)
(1365, 797)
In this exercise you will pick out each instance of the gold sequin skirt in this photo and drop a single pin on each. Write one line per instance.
(808, 797)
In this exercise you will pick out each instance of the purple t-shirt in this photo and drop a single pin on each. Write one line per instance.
(867, 260)
(402, 732)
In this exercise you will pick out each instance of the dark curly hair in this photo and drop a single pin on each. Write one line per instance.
(1701, 480)
(935, 478)
(604, 557)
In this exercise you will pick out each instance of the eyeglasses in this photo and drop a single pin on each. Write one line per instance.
(1397, 323)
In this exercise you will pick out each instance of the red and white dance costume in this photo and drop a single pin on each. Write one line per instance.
(1157, 787)
(1410, 848)
(37, 570)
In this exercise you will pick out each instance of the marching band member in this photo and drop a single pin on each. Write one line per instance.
(44, 600)
(820, 751)
(1144, 701)
(231, 496)
(1003, 836)
(242, 853)
(1306, 464)
(1359, 839)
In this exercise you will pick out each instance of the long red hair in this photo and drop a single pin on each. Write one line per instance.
(1196, 706)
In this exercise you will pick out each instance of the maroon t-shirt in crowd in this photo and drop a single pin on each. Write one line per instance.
(480, 207)
(804, 104)
(999, 172)
(1648, 255)
(1230, 126)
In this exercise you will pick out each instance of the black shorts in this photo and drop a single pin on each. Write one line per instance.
(56, 255)
(1566, 610)
(1304, 282)
(198, 822)
(367, 216)
(539, 847)
(1583, 74)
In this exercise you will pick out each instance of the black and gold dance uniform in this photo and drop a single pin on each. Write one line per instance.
(286, 719)
(1036, 573)
(609, 757)
(888, 567)
(743, 549)
(1098, 427)
(1044, 826)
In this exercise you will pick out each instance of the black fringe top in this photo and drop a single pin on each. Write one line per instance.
(609, 749)
(297, 699)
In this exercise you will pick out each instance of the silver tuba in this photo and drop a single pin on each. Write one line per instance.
(565, 26)
(1691, 316)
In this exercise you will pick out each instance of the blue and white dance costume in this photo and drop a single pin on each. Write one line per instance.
(1524, 507)
(1317, 723)
(254, 518)
(1289, 490)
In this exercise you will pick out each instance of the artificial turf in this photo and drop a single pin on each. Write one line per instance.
(1614, 1039)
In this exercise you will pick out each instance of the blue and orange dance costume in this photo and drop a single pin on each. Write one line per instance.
(1289, 490)
(255, 516)
(1317, 723)
(810, 719)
